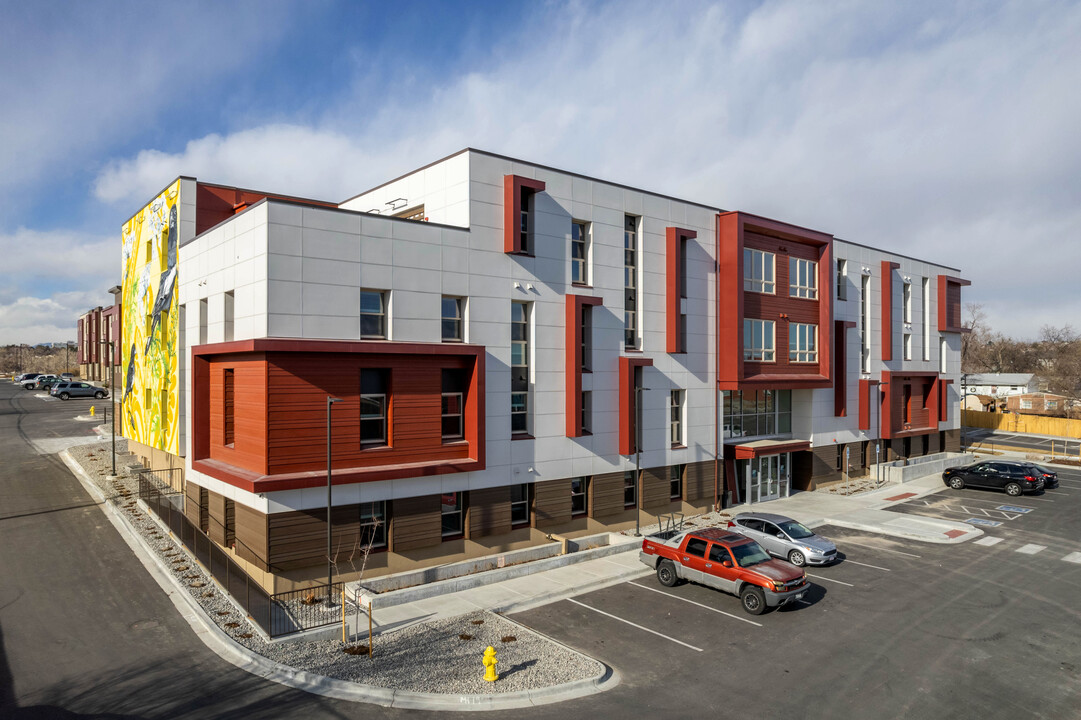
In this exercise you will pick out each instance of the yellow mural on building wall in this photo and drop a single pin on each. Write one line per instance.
(150, 345)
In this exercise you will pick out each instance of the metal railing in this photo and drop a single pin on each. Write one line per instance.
(279, 614)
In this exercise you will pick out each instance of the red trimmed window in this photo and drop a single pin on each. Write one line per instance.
(519, 213)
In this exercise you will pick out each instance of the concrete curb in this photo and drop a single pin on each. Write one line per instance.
(224, 647)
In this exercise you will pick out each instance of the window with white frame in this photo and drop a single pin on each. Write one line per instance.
(452, 319)
(865, 323)
(908, 346)
(373, 315)
(942, 347)
(452, 512)
(675, 412)
(802, 278)
(373, 407)
(453, 404)
(906, 302)
(842, 279)
(758, 271)
(926, 319)
(1026, 404)
(630, 282)
(373, 524)
(579, 252)
(1052, 404)
(802, 342)
(519, 504)
(519, 360)
(579, 496)
(758, 340)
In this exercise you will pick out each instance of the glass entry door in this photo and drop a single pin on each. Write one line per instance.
(766, 478)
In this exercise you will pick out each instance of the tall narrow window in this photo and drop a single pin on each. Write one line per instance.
(453, 402)
(865, 323)
(802, 342)
(519, 504)
(204, 315)
(579, 253)
(587, 411)
(229, 315)
(908, 346)
(525, 229)
(452, 319)
(579, 495)
(675, 413)
(227, 411)
(758, 340)
(842, 279)
(373, 524)
(926, 319)
(373, 315)
(906, 302)
(519, 360)
(587, 338)
(630, 282)
(373, 407)
(942, 354)
(630, 489)
(802, 278)
(675, 482)
(451, 511)
(230, 522)
(758, 271)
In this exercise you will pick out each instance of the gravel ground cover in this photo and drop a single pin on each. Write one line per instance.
(436, 657)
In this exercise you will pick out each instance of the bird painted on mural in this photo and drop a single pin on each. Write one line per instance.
(131, 372)
(164, 299)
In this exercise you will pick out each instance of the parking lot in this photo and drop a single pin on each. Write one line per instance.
(894, 629)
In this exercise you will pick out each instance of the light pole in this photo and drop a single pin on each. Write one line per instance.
(330, 562)
(878, 432)
(112, 398)
(637, 458)
(964, 406)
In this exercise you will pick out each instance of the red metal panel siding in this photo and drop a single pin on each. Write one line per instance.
(626, 401)
(215, 203)
(674, 290)
(887, 308)
(249, 447)
(949, 303)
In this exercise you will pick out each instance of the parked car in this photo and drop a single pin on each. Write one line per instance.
(1050, 477)
(20, 379)
(65, 390)
(725, 561)
(47, 383)
(36, 383)
(67, 376)
(785, 538)
(1009, 475)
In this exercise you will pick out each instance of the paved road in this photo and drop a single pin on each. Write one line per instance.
(898, 629)
(978, 438)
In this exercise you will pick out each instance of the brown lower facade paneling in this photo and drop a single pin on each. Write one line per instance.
(953, 441)
(551, 503)
(192, 509)
(698, 482)
(415, 523)
(216, 513)
(655, 488)
(606, 495)
(489, 512)
(251, 536)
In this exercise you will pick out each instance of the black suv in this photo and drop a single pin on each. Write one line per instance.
(1013, 477)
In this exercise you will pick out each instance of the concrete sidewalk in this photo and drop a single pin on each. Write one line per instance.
(865, 511)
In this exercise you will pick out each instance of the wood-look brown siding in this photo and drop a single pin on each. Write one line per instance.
(606, 494)
(415, 523)
(654, 488)
(191, 502)
(252, 536)
(216, 512)
(299, 539)
(489, 512)
(551, 503)
(953, 441)
(698, 482)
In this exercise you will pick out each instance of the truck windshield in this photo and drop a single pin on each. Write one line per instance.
(749, 554)
(795, 530)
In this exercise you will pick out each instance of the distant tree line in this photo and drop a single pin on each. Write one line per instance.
(39, 358)
(1054, 356)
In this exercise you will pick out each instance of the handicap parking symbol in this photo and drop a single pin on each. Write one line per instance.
(981, 521)
(1013, 509)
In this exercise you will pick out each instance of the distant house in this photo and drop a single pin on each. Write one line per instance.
(985, 403)
(1038, 404)
(996, 385)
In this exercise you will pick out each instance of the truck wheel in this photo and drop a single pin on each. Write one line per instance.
(956, 483)
(1013, 489)
(754, 602)
(796, 558)
(666, 573)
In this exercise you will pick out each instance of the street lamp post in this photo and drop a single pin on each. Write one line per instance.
(112, 398)
(878, 432)
(964, 406)
(330, 563)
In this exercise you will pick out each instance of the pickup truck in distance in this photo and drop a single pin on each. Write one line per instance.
(725, 561)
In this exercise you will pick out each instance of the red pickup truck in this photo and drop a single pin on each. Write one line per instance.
(725, 561)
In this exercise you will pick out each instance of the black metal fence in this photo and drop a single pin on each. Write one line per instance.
(278, 615)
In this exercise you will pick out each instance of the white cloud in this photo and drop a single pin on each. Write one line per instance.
(939, 131)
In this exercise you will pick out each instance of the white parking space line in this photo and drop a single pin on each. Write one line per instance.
(876, 567)
(692, 602)
(652, 632)
(1030, 549)
(1074, 557)
(839, 582)
(873, 547)
(987, 541)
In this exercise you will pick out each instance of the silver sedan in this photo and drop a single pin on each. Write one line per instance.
(785, 538)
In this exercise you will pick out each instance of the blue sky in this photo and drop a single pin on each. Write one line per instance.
(944, 131)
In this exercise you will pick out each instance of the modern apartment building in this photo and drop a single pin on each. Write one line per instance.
(503, 350)
(98, 341)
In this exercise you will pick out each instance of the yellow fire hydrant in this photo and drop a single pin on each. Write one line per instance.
(91, 411)
(489, 665)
